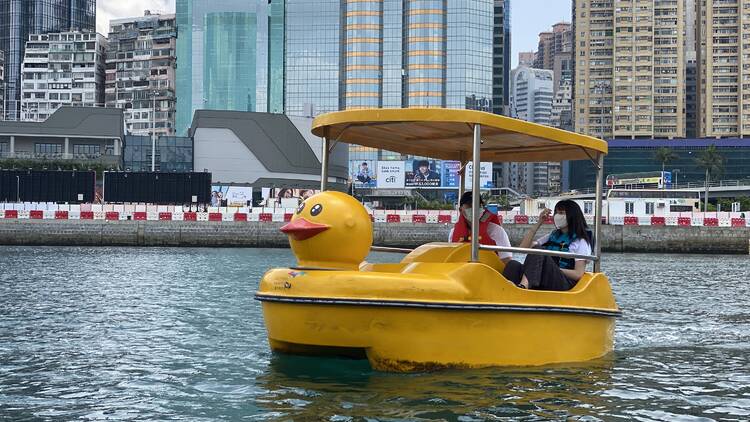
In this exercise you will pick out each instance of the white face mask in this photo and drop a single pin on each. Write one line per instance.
(467, 214)
(561, 221)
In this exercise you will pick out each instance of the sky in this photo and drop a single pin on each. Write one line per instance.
(115, 9)
(528, 17)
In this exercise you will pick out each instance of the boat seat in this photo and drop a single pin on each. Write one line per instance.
(443, 252)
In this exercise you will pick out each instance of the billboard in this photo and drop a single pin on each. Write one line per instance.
(451, 175)
(286, 197)
(362, 173)
(391, 174)
(485, 175)
(422, 174)
(231, 196)
(157, 188)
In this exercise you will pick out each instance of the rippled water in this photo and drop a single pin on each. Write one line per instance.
(144, 334)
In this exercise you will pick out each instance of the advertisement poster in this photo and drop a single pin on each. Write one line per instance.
(450, 174)
(362, 173)
(422, 173)
(391, 174)
(485, 175)
(231, 196)
(287, 197)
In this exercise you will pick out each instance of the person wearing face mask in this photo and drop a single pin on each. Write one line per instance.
(490, 231)
(542, 272)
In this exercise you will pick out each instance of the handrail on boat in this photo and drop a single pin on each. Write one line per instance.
(390, 250)
(533, 251)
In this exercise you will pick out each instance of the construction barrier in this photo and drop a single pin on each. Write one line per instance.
(521, 219)
(240, 216)
(418, 218)
(393, 218)
(36, 214)
(214, 216)
(111, 216)
(444, 218)
(711, 222)
(139, 215)
(87, 215)
(739, 222)
(630, 220)
(190, 216)
(11, 213)
(684, 221)
(165, 216)
(265, 217)
(658, 221)
(61, 215)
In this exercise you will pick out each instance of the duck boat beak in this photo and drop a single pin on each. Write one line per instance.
(301, 229)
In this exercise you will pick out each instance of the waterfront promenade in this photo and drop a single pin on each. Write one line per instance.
(615, 238)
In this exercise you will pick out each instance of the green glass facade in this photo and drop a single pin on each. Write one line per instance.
(230, 57)
(636, 156)
(229, 53)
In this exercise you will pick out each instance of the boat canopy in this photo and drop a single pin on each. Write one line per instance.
(447, 134)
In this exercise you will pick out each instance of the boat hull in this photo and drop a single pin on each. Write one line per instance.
(411, 337)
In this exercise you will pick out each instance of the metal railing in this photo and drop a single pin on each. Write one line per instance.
(532, 251)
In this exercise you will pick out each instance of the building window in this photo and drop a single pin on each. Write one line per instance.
(629, 208)
(588, 207)
(649, 208)
(48, 148)
(89, 150)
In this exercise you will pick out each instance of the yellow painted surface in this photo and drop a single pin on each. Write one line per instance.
(413, 315)
(448, 133)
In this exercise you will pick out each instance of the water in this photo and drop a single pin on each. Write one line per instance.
(174, 334)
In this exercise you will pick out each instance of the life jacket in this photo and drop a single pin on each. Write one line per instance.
(462, 229)
(559, 241)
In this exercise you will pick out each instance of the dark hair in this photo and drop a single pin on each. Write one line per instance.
(576, 222)
(423, 163)
(466, 199)
(364, 163)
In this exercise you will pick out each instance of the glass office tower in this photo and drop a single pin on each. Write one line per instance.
(229, 57)
(19, 18)
(347, 54)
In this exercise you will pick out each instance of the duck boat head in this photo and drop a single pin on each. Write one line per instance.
(330, 230)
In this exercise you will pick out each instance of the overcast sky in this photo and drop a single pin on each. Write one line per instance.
(528, 17)
(115, 9)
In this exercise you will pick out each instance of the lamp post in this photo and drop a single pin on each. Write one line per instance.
(18, 189)
(153, 131)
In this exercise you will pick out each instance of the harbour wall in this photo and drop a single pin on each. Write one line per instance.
(652, 239)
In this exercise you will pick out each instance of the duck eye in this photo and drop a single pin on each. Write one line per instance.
(316, 209)
(301, 207)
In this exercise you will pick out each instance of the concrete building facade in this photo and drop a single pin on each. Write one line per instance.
(80, 134)
(2, 85)
(630, 68)
(59, 69)
(531, 100)
(140, 72)
(20, 18)
(262, 150)
(723, 68)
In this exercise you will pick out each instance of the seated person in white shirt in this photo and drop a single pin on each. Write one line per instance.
(490, 231)
(541, 272)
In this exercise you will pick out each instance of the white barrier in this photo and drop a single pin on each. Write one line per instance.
(152, 216)
(696, 221)
(178, 216)
(253, 216)
(278, 217)
(670, 221)
(227, 217)
(643, 221)
(74, 215)
(723, 222)
(201, 216)
(380, 218)
(48, 214)
(99, 215)
(432, 218)
(617, 220)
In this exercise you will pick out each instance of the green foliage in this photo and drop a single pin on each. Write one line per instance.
(24, 164)
(416, 202)
(726, 204)
(711, 160)
(664, 155)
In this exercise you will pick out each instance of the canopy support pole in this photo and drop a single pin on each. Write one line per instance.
(598, 221)
(475, 195)
(461, 177)
(324, 163)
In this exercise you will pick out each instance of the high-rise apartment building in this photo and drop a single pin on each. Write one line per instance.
(723, 68)
(629, 68)
(526, 58)
(501, 57)
(141, 72)
(389, 53)
(531, 100)
(59, 69)
(2, 85)
(231, 56)
(20, 18)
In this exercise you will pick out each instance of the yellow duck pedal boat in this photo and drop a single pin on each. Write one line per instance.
(444, 304)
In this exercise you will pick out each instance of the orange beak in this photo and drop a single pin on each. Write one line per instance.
(301, 229)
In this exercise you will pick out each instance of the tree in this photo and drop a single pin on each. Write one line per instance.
(712, 161)
(664, 155)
